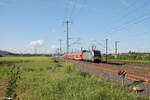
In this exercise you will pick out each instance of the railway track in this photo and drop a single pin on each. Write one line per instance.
(132, 73)
(142, 64)
(134, 77)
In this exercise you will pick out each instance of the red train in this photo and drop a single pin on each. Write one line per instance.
(76, 56)
(86, 55)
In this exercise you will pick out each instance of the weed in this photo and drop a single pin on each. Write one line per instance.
(59, 65)
(41, 69)
(84, 74)
(12, 84)
(29, 69)
(48, 68)
(69, 68)
(43, 79)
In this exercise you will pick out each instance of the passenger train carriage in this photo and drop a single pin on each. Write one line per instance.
(86, 55)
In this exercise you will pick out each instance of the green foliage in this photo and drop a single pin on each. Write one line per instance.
(69, 68)
(11, 90)
(44, 79)
(133, 56)
(84, 74)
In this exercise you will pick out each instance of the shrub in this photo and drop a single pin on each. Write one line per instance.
(49, 68)
(84, 74)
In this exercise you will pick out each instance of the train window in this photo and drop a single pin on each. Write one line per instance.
(96, 53)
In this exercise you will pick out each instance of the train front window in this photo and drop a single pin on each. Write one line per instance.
(97, 53)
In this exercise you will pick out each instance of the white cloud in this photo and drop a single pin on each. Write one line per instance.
(12, 50)
(142, 47)
(38, 42)
(111, 51)
(54, 46)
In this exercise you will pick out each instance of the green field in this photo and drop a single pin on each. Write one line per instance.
(130, 56)
(44, 78)
(144, 61)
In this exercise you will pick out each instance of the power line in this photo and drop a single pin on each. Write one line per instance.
(129, 13)
(72, 15)
(67, 7)
(73, 8)
(138, 35)
(128, 23)
(100, 43)
(133, 11)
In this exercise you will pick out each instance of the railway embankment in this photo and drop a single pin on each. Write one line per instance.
(134, 77)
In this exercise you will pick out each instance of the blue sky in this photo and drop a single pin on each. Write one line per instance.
(29, 24)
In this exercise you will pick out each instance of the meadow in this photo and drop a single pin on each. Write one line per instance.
(130, 56)
(47, 78)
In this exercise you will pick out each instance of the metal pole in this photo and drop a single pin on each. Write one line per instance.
(67, 39)
(60, 47)
(116, 48)
(67, 49)
(106, 49)
(35, 50)
(72, 50)
(81, 49)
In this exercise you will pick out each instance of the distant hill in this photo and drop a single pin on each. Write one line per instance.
(3, 52)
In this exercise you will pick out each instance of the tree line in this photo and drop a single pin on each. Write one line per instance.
(129, 56)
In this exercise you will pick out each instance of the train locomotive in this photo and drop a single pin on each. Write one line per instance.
(86, 55)
(94, 55)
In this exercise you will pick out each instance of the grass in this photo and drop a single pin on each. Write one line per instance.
(45, 78)
(142, 61)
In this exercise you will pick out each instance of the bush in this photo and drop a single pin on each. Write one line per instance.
(84, 74)
(138, 57)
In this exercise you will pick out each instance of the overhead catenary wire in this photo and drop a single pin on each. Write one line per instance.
(119, 28)
(133, 11)
(129, 23)
(126, 15)
(73, 8)
(69, 8)
(78, 6)
(100, 43)
(134, 21)
(66, 10)
(139, 35)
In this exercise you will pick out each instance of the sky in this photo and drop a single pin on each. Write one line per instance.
(29, 26)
